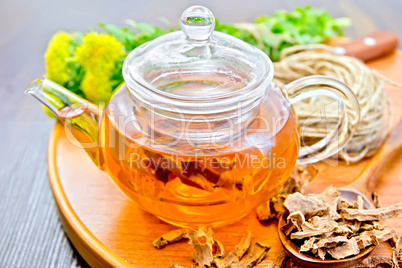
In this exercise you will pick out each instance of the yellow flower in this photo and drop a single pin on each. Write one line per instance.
(97, 88)
(55, 57)
(98, 55)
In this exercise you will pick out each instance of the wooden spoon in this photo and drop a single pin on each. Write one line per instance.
(293, 251)
(363, 186)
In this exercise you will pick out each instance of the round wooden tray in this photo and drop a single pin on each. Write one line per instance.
(109, 230)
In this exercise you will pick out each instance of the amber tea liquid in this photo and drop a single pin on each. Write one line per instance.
(193, 184)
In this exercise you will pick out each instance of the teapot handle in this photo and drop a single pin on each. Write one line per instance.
(349, 114)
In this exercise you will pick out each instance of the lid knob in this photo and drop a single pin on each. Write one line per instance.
(197, 23)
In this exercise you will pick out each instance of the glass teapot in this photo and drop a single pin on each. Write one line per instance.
(199, 134)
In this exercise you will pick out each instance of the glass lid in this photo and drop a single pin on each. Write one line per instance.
(196, 63)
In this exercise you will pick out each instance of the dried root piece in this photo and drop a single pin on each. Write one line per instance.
(280, 261)
(211, 253)
(360, 202)
(254, 256)
(326, 225)
(243, 245)
(299, 179)
(200, 181)
(321, 252)
(235, 256)
(364, 241)
(315, 243)
(226, 262)
(396, 245)
(372, 214)
(381, 235)
(376, 200)
(309, 244)
(318, 223)
(170, 237)
(321, 226)
(373, 225)
(353, 226)
(297, 220)
(292, 264)
(266, 212)
(219, 250)
(307, 205)
(347, 249)
(344, 203)
(297, 182)
(374, 262)
(311, 205)
(175, 266)
(202, 240)
(272, 209)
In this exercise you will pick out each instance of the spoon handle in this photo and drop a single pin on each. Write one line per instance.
(367, 178)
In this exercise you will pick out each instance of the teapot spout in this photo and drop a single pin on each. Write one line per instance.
(81, 119)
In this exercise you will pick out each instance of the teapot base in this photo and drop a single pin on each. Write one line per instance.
(194, 216)
(209, 224)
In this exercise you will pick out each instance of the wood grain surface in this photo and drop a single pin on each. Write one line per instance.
(30, 231)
